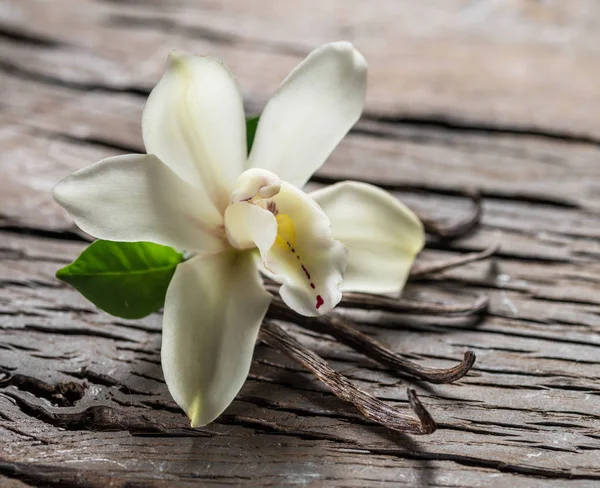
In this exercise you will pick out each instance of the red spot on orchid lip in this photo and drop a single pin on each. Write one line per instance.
(320, 301)
(312, 285)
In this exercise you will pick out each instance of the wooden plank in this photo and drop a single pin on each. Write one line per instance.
(468, 63)
(521, 390)
(488, 95)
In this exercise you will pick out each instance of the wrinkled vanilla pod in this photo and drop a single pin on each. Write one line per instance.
(347, 334)
(448, 231)
(425, 269)
(366, 301)
(372, 408)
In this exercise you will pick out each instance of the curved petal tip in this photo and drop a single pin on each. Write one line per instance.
(359, 63)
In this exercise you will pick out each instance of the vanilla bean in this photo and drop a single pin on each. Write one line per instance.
(367, 301)
(456, 229)
(424, 269)
(352, 337)
(377, 351)
(372, 408)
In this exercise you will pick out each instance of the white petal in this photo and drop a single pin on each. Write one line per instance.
(194, 122)
(314, 108)
(304, 256)
(248, 226)
(136, 197)
(382, 235)
(213, 311)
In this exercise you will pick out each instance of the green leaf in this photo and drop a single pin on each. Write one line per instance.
(251, 125)
(126, 279)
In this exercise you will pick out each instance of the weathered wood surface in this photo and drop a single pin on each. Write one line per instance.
(501, 96)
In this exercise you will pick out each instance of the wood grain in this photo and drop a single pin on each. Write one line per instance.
(497, 96)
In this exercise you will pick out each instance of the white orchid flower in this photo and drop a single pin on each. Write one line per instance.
(197, 190)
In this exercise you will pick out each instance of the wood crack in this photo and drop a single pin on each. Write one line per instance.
(19, 72)
(453, 124)
(60, 394)
(97, 417)
(497, 465)
(487, 193)
(21, 36)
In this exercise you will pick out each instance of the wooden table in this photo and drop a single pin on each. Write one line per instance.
(500, 96)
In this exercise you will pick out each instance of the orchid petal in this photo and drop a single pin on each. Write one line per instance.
(314, 108)
(194, 122)
(248, 226)
(136, 197)
(382, 235)
(304, 257)
(213, 311)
